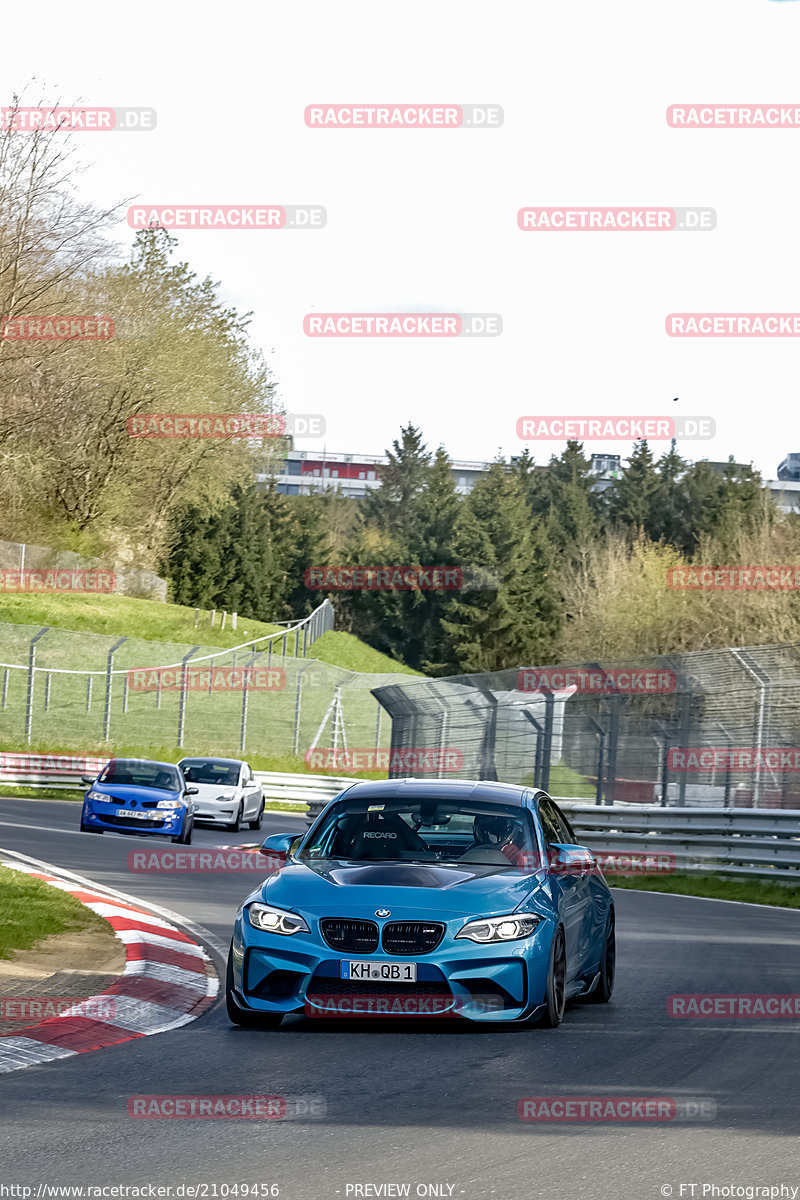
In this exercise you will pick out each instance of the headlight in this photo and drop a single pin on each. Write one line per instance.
(230, 794)
(500, 929)
(169, 804)
(275, 920)
(97, 796)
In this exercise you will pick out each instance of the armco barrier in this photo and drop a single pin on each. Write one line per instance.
(738, 841)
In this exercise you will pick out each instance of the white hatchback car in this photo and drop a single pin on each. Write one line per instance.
(227, 792)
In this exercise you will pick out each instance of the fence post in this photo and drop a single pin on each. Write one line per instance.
(601, 747)
(615, 700)
(305, 638)
(683, 738)
(297, 642)
(296, 738)
(182, 696)
(107, 710)
(47, 681)
(5, 686)
(125, 692)
(88, 693)
(245, 678)
(549, 713)
(378, 725)
(31, 670)
(537, 759)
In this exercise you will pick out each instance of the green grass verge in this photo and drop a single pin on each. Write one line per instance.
(341, 649)
(716, 887)
(129, 617)
(33, 910)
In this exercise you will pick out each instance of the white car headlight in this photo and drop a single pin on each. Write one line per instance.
(275, 920)
(501, 929)
(170, 804)
(98, 796)
(228, 794)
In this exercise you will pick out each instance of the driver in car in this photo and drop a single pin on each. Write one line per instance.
(501, 833)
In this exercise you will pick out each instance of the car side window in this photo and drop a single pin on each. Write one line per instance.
(562, 820)
(554, 823)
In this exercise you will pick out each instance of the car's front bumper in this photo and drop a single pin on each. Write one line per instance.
(215, 810)
(167, 822)
(500, 982)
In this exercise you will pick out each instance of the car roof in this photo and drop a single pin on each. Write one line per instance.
(151, 762)
(212, 758)
(455, 789)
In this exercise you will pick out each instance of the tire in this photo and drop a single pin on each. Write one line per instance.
(239, 1016)
(556, 983)
(184, 838)
(608, 961)
(236, 823)
(256, 823)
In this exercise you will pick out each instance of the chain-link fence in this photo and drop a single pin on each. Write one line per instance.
(24, 558)
(711, 728)
(266, 697)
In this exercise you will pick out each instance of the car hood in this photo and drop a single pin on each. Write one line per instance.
(333, 888)
(131, 791)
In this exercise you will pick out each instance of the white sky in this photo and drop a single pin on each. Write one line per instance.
(426, 220)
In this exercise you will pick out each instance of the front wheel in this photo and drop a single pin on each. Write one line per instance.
(236, 823)
(608, 962)
(239, 1016)
(184, 838)
(256, 822)
(556, 983)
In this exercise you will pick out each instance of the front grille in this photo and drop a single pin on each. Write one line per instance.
(350, 935)
(323, 986)
(412, 937)
(130, 822)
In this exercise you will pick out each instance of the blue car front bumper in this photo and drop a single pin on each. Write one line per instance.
(99, 814)
(273, 973)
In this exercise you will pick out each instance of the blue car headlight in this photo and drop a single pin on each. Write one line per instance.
(97, 796)
(500, 929)
(275, 920)
(169, 804)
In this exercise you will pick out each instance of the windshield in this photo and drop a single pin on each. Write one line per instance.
(432, 830)
(122, 771)
(204, 771)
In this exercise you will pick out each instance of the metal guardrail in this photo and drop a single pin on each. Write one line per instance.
(740, 841)
(289, 788)
(761, 843)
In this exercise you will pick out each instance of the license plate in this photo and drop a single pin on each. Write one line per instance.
(380, 972)
(126, 812)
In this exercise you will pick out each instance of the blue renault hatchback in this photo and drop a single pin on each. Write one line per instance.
(139, 795)
(426, 898)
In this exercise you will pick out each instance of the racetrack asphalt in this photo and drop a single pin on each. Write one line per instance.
(426, 1103)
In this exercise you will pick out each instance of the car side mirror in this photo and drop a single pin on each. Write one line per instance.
(191, 791)
(282, 844)
(88, 778)
(570, 860)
